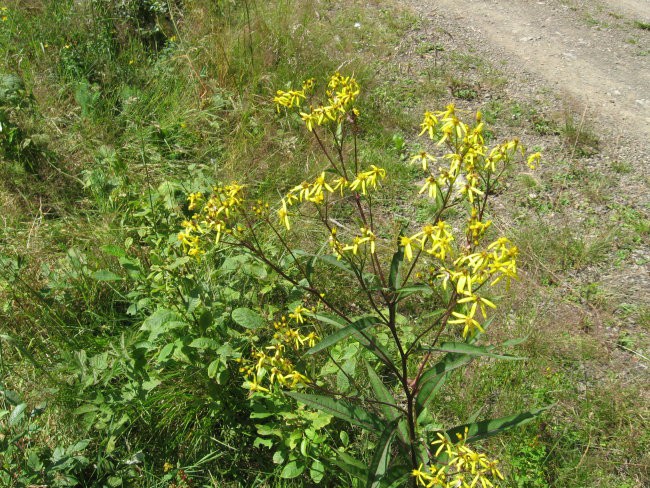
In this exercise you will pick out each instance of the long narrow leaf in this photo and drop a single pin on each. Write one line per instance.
(351, 465)
(357, 330)
(433, 379)
(472, 350)
(395, 265)
(340, 409)
(355, 327)
(383, 394)
(487, 428)
(381, 458)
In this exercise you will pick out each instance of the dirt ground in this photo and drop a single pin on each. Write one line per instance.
(595, 52)
(587, 57)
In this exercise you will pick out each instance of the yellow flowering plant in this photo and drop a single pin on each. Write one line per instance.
(418, 297)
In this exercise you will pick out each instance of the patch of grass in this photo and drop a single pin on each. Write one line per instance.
(642, 25)
(580, 139)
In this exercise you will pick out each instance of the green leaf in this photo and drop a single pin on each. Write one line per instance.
(165, 352)
(487, 428)
(432, 379)
(383, 394)
(411, 290)
(105, 275)
(116, 251)
(381, 458)
(213, 368)
(366, 339)
(352, 466)
(248, 318)
(316, 471)
(340, 409)
(471, 350)
(397, 477)
(205, 343)
(17, 414)
(292, 470)
(160, 322)
(347, 330)
(395, 265)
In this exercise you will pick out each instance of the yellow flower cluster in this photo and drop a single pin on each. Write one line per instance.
(316, 191)
(341, 93)
(464, 467)
(470, 272)
(4, 11)
(273, 364)
(216, 215)
(469, 162)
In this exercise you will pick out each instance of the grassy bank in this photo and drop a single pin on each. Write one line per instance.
(118, 352)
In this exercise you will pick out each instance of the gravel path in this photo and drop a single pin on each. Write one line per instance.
(593, 51)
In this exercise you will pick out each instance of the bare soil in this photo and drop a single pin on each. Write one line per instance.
(588, 60)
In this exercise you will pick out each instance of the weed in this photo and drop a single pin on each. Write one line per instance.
(642, 25)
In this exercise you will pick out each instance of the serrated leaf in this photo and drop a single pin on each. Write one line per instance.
(381, 458)
(340, 409)
(105, 275)
(248, 318)
(487, 428)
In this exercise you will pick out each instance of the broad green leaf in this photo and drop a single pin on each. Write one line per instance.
(116, 251)
(347, 330)
(340, 409)
(160, 322)
(395, 265)
(381, 458)
(17, 414)
(292, 470)
(106, 275)
(316, 471)
(204, 343)
(487, 428)
(248, 318)
(165, 352)
(471, 350)
(432, 380)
